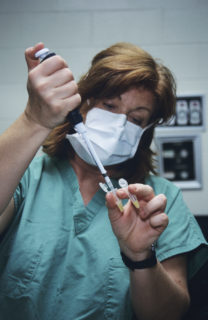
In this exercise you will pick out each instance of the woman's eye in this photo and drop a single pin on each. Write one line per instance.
(108, 106)
(138, 122)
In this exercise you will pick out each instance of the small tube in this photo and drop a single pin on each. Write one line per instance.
(119, 204)
(124, 184)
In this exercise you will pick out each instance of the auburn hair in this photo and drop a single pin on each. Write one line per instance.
(112, 72)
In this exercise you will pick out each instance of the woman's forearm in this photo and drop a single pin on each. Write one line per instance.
(51, 98)
(156, 295)
(18, 146)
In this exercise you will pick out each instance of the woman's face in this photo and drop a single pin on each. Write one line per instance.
(137, 104)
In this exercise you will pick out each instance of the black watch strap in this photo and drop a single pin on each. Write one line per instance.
(147, 263)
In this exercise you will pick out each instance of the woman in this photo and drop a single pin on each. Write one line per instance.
(68, 250)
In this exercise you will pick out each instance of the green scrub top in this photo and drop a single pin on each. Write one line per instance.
(60, 258)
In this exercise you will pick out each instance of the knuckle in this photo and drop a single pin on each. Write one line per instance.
(78, 98)
(70, 75)
(74, 100)
(31, 75)
(164, 219)
(49, 98)
(37, 82)
(74, 86)
(41, 86)
(149, 189)
(60, 61)
(136, 186)
(53, 103)
(163, 197)
(67, 74)
(56, 107)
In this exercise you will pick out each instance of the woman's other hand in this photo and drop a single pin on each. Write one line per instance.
(137, 229)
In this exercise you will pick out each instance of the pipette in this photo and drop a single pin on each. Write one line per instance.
(76, 120)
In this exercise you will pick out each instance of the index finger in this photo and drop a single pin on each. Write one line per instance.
(142, 191)
(53, 64)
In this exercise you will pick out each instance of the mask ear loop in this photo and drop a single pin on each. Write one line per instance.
(124, 184)
(148, 126)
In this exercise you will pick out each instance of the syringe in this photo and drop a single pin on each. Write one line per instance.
(76, 120)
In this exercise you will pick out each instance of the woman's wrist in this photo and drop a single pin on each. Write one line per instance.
(137, 255)
(141, 261)
(33, 125)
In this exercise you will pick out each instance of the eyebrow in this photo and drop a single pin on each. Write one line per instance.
(141, 108)
(138, 108)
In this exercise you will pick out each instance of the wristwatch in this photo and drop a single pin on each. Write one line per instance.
(147, 263)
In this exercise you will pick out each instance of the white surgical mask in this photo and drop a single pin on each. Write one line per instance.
(114, 139)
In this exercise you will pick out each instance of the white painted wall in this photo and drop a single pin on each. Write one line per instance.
(175, 31)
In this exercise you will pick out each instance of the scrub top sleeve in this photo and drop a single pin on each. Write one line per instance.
(182, 234)
(21, 190)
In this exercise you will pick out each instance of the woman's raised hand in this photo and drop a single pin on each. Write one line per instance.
(53, 93)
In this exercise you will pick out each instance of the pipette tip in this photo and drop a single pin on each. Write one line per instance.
(106, 188)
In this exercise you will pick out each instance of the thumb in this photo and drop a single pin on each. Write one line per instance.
(113, 209)
(32, 62)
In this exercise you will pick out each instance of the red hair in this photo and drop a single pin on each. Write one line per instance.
(113, 71)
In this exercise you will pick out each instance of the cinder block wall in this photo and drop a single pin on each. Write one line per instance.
(175, 31)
